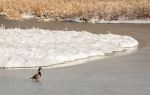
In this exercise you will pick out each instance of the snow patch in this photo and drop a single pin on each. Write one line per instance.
(38, 47)
(2, 13)
(28, 15)
(120, 21)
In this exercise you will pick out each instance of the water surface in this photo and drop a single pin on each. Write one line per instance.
(121, 75)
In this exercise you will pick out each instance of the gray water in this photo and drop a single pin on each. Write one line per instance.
(121, 75)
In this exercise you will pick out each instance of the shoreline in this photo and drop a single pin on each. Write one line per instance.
(79, 20)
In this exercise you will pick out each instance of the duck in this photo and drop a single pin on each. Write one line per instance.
(38, 75)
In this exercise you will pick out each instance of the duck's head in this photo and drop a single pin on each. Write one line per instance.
(39, 69)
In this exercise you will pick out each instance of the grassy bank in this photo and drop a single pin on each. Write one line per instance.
(85, 9)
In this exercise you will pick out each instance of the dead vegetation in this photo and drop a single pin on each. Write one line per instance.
(62, 9)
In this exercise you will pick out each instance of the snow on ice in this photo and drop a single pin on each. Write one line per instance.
(38, 47)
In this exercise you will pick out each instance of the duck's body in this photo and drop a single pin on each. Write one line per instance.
(38, 75)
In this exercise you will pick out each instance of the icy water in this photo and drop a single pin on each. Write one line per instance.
(121, 75)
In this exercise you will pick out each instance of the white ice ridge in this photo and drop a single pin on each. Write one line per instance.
(38, 47)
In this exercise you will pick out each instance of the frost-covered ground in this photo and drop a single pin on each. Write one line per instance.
(89, 20)
(95, 20)
(120, 21)
(38, 47)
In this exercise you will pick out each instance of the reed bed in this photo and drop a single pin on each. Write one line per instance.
(86, 9)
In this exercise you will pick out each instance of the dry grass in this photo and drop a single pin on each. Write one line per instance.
(61, 9)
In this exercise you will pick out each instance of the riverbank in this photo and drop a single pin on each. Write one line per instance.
(95, 11)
